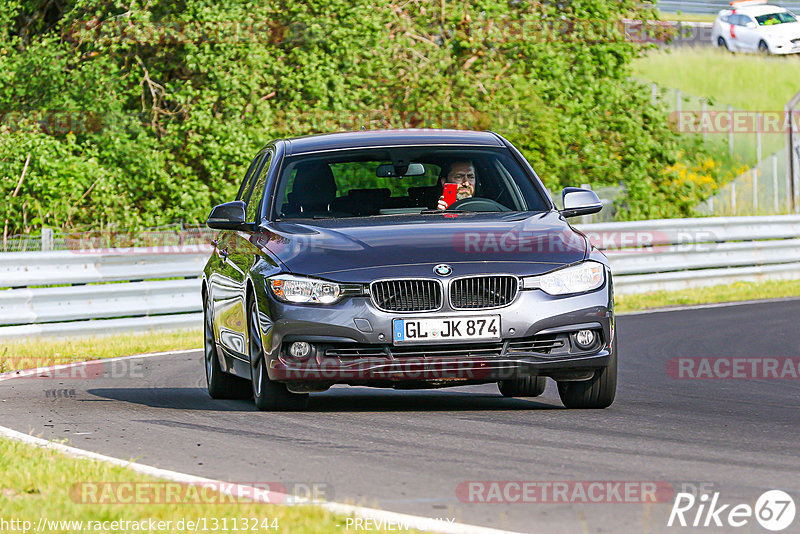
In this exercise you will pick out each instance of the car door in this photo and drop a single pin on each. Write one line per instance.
(747, 33)
(721, 29)
(241, 256)
(227, 279)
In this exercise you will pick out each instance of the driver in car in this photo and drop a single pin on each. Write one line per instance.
(461, 173)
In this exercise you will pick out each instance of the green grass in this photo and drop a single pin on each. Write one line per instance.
(744, 81)
(736, 292)
(29, 353)
(687, 17)
(40, 483)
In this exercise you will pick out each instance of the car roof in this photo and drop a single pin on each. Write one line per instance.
(756, 10)
(389, 138)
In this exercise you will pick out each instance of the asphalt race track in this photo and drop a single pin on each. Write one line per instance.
(409, 451)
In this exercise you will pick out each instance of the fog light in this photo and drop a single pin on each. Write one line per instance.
(585, 339)
(299, 349)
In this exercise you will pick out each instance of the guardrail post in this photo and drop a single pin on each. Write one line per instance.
(730, 130)
(678, 101)
(758, 139)
(790, 157)
(653, 93)
(47, 239)
(755, 190)
(703, 119)
(775, 182)
(733, 198)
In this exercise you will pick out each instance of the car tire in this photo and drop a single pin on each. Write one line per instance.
(221, 385)
(531, 386)
(722, 44)
(267, 394)
(763, 48)
(596, 393)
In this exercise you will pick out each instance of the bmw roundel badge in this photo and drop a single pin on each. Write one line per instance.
(443, 269)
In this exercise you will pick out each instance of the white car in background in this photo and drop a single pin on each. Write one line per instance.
(755, 26)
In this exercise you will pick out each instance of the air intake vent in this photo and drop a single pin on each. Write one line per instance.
(407, 295)
(480, 292)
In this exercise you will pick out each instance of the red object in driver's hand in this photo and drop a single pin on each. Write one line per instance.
(450, 193)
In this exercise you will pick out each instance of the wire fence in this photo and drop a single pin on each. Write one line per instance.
(750, 139)
(761, 190)
(745, 136)
(711, 6)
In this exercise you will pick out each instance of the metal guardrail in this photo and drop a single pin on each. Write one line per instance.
(673, 254)
(711, 6)
(74, 292)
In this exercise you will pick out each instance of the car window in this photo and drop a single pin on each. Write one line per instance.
(366, 183)
(775, 18)
(357, 175)
(257, 190)
(248, 178)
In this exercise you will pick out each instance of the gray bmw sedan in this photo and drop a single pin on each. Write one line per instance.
(404, 259)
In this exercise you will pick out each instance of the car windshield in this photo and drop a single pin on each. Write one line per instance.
(775, 18)
(404, 181)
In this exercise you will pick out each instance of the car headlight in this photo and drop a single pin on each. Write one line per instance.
(299, 290)
(576, 279)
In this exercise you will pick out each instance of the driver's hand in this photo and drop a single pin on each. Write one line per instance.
(442, 205)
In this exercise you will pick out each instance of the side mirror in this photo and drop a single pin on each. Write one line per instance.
(751, 25)
(228, 216)
(579, 201)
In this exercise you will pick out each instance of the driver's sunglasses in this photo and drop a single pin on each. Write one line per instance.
(462, 178)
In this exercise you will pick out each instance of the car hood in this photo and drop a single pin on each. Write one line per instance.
(360, 250)
(788, 30)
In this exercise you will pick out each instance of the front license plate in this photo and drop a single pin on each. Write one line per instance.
(437, 329)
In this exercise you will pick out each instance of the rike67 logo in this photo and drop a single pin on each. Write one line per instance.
(774, 510)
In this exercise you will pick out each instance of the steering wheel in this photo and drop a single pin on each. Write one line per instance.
(477, 204)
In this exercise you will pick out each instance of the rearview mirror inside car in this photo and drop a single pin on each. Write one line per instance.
(579, 201)
(228, 216)
(388, 170)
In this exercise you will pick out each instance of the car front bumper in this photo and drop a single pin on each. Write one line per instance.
(356, 325)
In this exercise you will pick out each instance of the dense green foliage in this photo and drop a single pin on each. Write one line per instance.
(147, 113)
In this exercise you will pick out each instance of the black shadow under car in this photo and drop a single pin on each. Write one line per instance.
(404, 259)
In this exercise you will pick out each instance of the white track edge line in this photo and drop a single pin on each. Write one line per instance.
(22, 373)
(707, 306)
(233, 489)
(412, 521)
